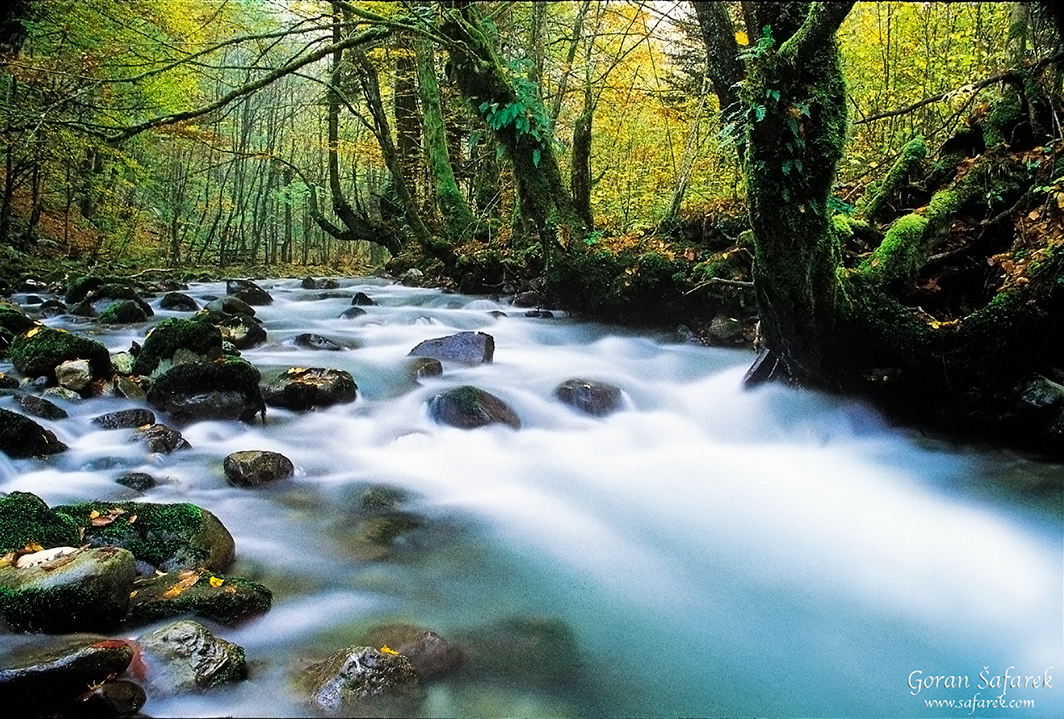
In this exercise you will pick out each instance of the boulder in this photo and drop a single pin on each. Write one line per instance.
(125, 419)
(301, 389)
(178, 302)
(125, 312)
(468, 407)
(161, 439)
(431, 655)
(49, 680)
(312, 341)
(309, 283)
(13, 322)
(40, 407)
(25, 519)
(248, 291)
(37, 352)
(251, 468)
(222, 599)
(68, 590)
(108, 698)
(244, 331)
(467, 348)
(363, 682)
(51, 308)
(169, 537)
(21, 437)
(230, 305)
(590, 397)
(422, 367)
(178, 340)
(363, 300)
(227, 388)
(74, 375)
(186, 657)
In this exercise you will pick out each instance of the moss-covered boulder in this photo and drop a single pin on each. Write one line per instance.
(77, 590)
(25, 519)
(49, 680)
(589, 396)
(37, 352)
(227, 388)
(178, 340)
(223, 599)
(469, 407)
(169, 537)
(363, 682)
(186, 657)
(13, 322)
(123, 312)
(100, 301)
(21, 437)
(303, 388)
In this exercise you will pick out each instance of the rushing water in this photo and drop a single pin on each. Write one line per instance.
(714, 551)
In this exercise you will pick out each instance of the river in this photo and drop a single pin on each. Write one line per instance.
(712, 551)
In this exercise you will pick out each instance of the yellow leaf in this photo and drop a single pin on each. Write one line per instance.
(216, 582)
(388, 650)
(741, 38)
(34, 331)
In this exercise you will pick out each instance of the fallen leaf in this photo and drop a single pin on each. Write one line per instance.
(388, 650)
(186, 579)
(216, 582)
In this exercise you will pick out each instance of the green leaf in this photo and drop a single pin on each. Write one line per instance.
(535, 157)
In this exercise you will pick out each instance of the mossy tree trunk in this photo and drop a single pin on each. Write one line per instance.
(510, 106)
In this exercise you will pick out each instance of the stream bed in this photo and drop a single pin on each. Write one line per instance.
(705, 551)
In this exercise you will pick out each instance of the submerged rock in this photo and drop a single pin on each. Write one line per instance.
(52, 680)
(74, 590)
(431, 655)
(529, 649)
(223, 599)
(468, 348)
(169, 537)
(139, 481)
(311, 341)
(590, 397)
(185, 657)
(251, 468)
(21, 437)
(301, 389)
(352, 312)
(227, 388)
(363, 682)
(469, 407)
(363, 300)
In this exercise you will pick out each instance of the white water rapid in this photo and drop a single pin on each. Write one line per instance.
(713, 551)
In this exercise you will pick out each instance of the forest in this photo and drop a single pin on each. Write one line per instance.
(870, 194)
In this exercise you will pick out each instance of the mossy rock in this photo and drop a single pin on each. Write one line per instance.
(224, 599)
(39, 351)
(21, 437)
(173, 334)
(227, 388)
(169, 537)
(303, 388)
(26, 519)
(469, 407)
(13, 322)
(80, 287)
(123, 312)
(100, 300)
(83, 590)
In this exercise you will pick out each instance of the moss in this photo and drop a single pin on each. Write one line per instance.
(172, 334)
(164, 535)
(898, 255)
(221, 598)
(912, 154)
(21, 437)
(80, 287)
(38, 352)
(25, 519)
(998, 125)
(123, 312)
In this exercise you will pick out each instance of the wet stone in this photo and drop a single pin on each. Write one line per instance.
(248, 291)
(422, 367)
(362, 300)
(162, 439)
(301, 389)
(74, 375)
(179, 302)
(140, 481)
(220, 598)
(186, 656)
(429, 653)
(21, 437)
(590, 397)
(363, 682)
(125, 419)
(40, 407)
(352, 312)
(109, 698)
(468, 348)
(231, 306)
(311, 341)
(469, 407)
(252, 468)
